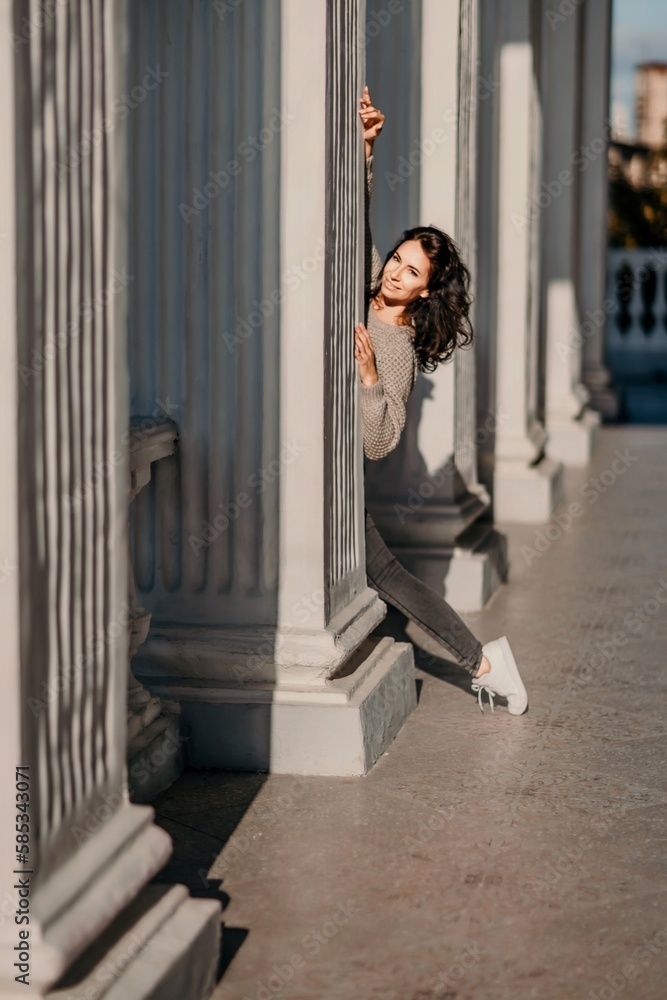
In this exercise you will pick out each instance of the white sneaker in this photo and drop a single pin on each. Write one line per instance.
(503, 678)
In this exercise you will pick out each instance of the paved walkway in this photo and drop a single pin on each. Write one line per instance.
(484, 857)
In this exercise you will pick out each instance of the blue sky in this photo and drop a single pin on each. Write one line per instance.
(639, 33)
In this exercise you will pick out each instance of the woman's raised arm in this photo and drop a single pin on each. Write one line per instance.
(372, 120)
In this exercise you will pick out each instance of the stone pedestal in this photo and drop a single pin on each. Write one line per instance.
(338, 726)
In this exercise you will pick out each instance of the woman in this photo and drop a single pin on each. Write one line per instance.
(417, 316)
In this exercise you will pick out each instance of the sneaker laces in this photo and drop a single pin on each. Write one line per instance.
(479, 688)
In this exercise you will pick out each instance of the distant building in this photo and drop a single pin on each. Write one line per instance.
(620, 122)
(640, 165)
(651, 103)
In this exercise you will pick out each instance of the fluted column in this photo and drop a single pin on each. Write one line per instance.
(83, 853)
(526, 486)
(251, 558)
(570, 424)
(425, 497)
(592, 208)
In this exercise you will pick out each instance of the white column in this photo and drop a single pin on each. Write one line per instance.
(592, 222)
(571, 426)
(264, 602)
(425, 497)
(83, 852)
(526, 487)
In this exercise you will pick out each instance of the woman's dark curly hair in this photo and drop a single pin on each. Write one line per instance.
(440, 320)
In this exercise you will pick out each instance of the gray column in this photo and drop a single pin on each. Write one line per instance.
(251, 560)
(425, 496)
(393, 37)
(571, 426)
(526, 486)
(592, 221)
(64, 504)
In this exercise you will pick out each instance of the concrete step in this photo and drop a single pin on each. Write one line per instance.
(163, 946)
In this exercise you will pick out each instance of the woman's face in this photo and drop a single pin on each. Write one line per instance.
(406, 274)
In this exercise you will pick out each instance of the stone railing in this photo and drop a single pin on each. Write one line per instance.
(636, 323)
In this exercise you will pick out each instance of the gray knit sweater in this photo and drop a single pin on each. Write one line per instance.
(383, 404)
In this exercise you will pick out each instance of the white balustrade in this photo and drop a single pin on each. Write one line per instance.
(636, 310)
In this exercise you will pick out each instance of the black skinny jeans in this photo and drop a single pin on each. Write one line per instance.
(419, 603)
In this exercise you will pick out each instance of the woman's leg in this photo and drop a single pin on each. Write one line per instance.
(419, 603)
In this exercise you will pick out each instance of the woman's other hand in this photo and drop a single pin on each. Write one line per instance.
(365, 356)
(371, 119)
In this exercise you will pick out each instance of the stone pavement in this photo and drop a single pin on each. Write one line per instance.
(485, 857)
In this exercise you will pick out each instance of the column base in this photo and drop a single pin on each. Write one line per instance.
(604, 396)
(466, 574)
(418, 523)
(606, 402)
(573, 441)
(256, 654)
(164, 946)
(78, 903)
(157, 764)
(526, 494)
(330, 727)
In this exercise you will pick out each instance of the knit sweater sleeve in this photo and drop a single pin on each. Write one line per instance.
(383, 404)
(373, 261)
